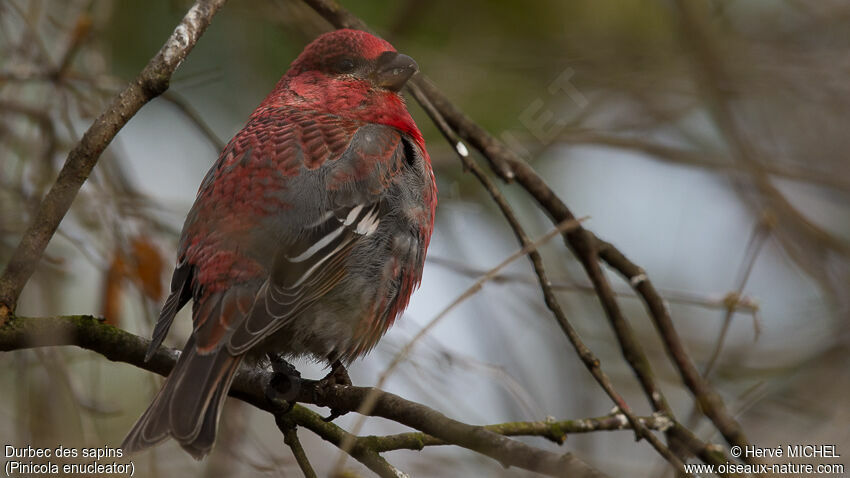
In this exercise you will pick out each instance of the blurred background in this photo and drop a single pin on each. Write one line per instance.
(710, 148)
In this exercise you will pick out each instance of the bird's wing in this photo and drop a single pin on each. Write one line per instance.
(356, 184)
(303, 276)
(279, 215)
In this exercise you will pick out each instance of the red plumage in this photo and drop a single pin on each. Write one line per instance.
(307, 237)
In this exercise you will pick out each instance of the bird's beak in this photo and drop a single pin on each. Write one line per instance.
(393, 70)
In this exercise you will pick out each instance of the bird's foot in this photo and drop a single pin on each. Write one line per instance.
(284, 385)
(337, 376)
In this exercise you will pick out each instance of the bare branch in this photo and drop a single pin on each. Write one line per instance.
(151, 82)
(290, 437)
(250, 385)
(759, 236)
(742, 303)
(712, 162)
(588, 358)
(589, 248)
(553, 430)
(192, 115)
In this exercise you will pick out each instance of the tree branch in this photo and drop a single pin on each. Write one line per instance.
(332, 434)
(250, 385)
(553, 430)
(290, 437)
(151, 82)
(587, 357)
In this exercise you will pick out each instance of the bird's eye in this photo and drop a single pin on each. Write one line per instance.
(345, 65)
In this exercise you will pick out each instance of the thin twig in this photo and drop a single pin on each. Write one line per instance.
(192, 115)
(757, 240)
(290, 437)
(553, 430)
(743, 303)
(712, 162)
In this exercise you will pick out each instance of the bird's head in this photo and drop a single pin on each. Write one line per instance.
(350, 73)
(353, 59)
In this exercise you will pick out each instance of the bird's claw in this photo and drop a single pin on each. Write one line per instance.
(337, 376)
(281, 365)
(284, 384)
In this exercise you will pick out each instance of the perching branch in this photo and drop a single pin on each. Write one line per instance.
(250, 386)
(151, 82)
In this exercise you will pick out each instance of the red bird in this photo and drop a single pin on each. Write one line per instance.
(307, 236)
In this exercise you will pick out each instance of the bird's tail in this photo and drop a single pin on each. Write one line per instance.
(189, 404)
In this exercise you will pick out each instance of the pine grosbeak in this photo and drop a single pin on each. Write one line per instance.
(307, 236)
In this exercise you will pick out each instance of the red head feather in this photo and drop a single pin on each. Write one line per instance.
(311, 83)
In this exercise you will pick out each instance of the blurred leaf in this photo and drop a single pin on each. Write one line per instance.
(142, 265)
(148, 265)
